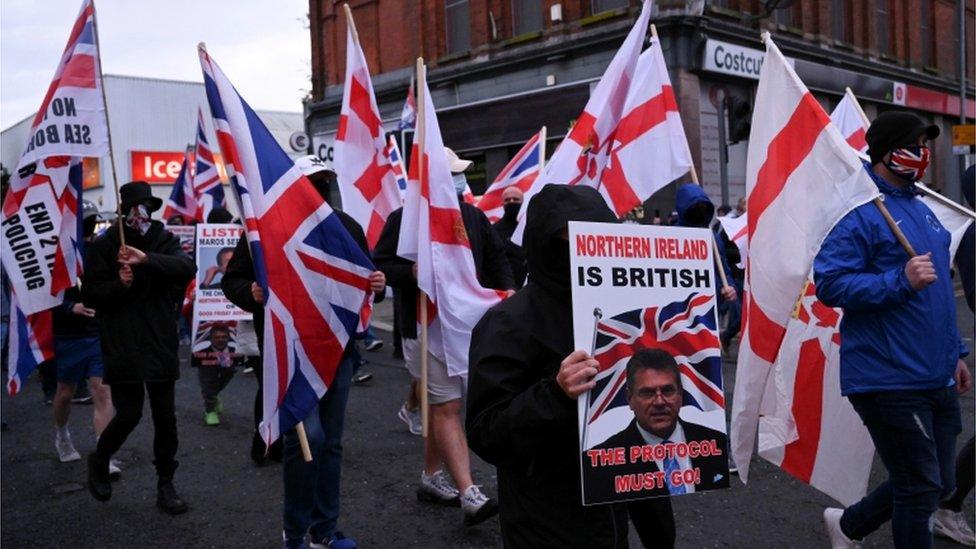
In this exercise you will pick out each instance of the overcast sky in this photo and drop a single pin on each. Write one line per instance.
(262, 46)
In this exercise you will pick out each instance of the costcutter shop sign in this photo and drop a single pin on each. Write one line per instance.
(732, 59)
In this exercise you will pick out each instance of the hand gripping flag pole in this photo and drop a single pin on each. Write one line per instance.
(300, 426)
(419, 135)
(108, 128)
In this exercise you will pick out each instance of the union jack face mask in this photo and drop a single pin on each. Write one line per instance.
(909, 163)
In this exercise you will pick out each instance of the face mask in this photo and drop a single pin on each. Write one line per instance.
(460, 182)
(909, 163)
(138, 219)
(512, 210)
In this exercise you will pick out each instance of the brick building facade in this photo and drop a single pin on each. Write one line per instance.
(500, 69)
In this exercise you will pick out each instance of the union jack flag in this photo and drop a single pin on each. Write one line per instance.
(31, 343)
(396, 161)
(685, 329)
(182, 199)
(521, 171)
(65, 176)
(207, 186)
(408, 115)
(315, 277)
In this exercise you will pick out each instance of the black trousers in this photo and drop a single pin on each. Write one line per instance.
(128, 400)
(654, 521)
(965, 470)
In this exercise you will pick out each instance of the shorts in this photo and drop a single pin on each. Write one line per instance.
(441, 387)
(78, 358)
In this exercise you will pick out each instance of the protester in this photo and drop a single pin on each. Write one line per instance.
(216, 366)
(695, 209)
(512, 203)
(78, 356)
(740, 207)
(176, 220)
(901, 355)
(525, 378)
(136, 290)
(311, 489)
(965, 259)
(445, 445)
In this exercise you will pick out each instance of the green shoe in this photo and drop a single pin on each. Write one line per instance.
(219, 407)
(212, 419)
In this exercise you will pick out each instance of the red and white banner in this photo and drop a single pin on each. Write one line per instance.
(432, 234)
(802, 177)
(584, 153)
(649, 148)
(367, 183)
(737, 229)
(848, 118)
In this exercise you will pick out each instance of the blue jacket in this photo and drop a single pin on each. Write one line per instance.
(687, 196)
(892, 337)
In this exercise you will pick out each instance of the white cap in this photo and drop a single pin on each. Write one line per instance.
(457, 165)
(311, 164)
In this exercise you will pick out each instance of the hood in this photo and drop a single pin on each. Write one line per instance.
(689, 195)
(549, 213)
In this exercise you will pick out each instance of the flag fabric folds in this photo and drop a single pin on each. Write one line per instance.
(849, 121)
(432, 234)
(396, 164)
(31, 342)
(367, 183)
(207, 186)
(736, 228)
(521, 171)
(801, 178)
(315, 278)
(182, 199)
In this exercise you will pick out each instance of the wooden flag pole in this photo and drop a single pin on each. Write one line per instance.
(108, 129)
(948, 203)
(419, 137)
(879, 201)
(542, 148)
(350, 24)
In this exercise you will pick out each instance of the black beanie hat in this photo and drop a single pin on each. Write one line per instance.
(895, 129)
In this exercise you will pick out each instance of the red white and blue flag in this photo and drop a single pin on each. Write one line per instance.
(396, 162)
(314, 275)
(685, 329)
(408, 115)
(207, 186)
(182, 199)
(68, 259)
(31, 342)
(520, 171)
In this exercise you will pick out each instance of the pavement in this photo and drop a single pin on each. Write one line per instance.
(43, 503)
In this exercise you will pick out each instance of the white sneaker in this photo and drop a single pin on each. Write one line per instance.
(838, 540)
(66, 450)
(953, 526)
(477, 506)
(412, 419)
(437, 488)
(114, 469)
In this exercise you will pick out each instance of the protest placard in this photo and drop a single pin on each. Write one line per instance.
(187, 235)
(214, 247)
(644, 306)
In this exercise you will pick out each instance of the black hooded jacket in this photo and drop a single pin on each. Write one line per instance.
(505, 227)
(137, 324)
(518, 418)
(487, 247)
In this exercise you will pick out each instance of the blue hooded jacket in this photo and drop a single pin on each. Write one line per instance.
(892, 337)
(691, 194)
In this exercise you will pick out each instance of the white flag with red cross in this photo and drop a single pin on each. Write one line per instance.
(367, 182)
(801, 178)
(432, 234)
(850, 122)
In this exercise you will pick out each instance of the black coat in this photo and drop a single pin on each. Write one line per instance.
(714, 469)
(505, 227)
(137, 325)
(518, 418)
(239, 275)
(490, 262)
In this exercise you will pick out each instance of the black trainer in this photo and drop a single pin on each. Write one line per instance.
(99, 483)
(168, 500)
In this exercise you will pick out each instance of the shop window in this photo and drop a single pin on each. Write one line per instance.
(526, 16)
(925, 32)
(882, 26)
(458, 26)
(599, 6)
(840, 21)
(787, 16)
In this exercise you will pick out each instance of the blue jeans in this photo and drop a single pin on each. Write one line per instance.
(915, 435)
(312, 489)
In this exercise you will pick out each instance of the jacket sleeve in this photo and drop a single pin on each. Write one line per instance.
(496, 265)
(510, 411)
(238, 277)
(172, 262)
(359, 237)
(398, 271)
(101, 287)
(841, 271)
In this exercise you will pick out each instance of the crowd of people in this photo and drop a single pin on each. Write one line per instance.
(901, 362)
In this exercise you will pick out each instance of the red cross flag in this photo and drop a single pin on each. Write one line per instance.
(801, 178)
(851, 123)
(367, 182)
